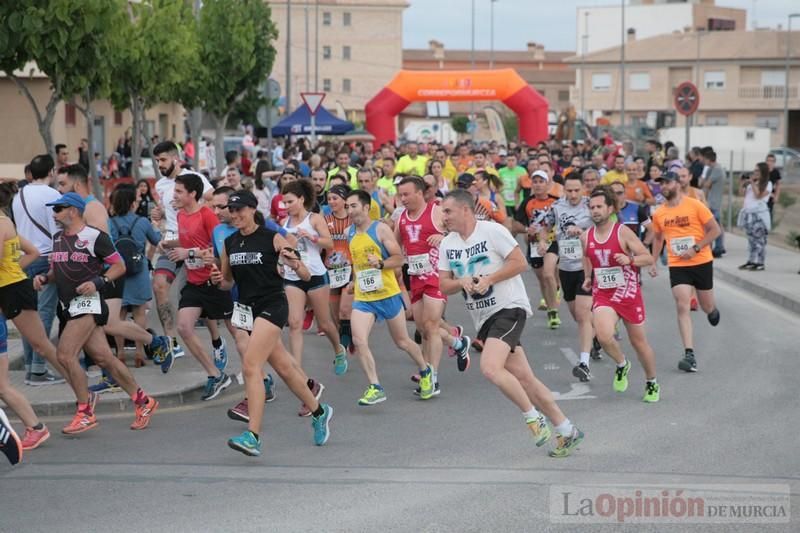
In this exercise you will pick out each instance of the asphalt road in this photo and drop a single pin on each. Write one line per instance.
(461, 462)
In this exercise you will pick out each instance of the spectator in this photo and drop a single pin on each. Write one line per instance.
(713, 186)
(775, 180)
(755, 217)
(144, 199)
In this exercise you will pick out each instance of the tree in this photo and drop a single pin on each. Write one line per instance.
(460, 124)
(236, 53)
(64, 39)
(156, 61)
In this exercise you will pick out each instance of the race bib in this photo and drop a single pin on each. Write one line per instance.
(242, 316)
(570, 249)
(681, 245)
(340, 276)
(535, 249)
(610, 277)
(85, 305)
(369, 280)
(194, 263)
(419, 265)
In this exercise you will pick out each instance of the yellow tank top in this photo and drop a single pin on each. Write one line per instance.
(10, 271)
(371, 284)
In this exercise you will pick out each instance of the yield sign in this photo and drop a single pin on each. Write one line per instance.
(313, 101)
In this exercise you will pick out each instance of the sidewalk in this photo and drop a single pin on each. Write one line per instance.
(779, 282)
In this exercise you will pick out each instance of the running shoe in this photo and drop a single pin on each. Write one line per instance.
(426, 386)
(10, 444)
(33, 438)
(436, 390)
(693, 305)
(567, 443)
(372, 396)
(746, 266)
(713, 317)
(144, 412)
(82, 421)
(309, 320)
(247, 443)
(316, 390)
(456, 332)
(240, 413)
(159, 348)
(214, 386)
(463, 353)
(558, 298)
(540, 429)
(221, 356)
(106, 384)
(340, 361)
(553, 320)
(269, 389)
(621, 377)
(477, 345)
(581, 371)
(322, 425)
(169, 360)
(688, 363)
(43, 379)
(177, 349)
(542, 305)
(652, 392)
(594, 352)
(757, 268)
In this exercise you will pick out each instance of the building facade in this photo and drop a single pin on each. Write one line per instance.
(740, 75)
(348, 49)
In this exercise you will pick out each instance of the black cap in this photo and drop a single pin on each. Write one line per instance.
(340, 190)
(668, 176)
(242, 199)
(465, 180)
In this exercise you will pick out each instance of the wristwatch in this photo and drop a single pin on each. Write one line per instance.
(696, 249)
(105, 279)
(191, 253)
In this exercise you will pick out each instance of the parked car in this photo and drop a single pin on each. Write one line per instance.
(792, 158)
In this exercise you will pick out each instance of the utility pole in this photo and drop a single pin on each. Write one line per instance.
(316, 46)
(786, 90)
(288, 56)
(491, 33)
(622, 71)
(308, 54)
(585, 48)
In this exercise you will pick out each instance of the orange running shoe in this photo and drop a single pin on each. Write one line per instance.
(34, 437)
(144, 412)
(81, 422)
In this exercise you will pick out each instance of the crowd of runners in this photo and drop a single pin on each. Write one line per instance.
(363, 239)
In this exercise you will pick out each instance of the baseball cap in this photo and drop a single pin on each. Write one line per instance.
(668, 176)
(70, 199)
(540, 174)
(242, 199)
(465, 180)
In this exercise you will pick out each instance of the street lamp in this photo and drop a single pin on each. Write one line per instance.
(786, 90)
(491, 33)
(622, 71)
(584, 49)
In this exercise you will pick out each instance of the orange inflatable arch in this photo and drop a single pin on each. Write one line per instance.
(505, 85)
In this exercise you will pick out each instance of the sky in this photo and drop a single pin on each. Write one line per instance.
(517, 22)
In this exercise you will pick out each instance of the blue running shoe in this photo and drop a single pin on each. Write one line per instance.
(167, 364)
(215, 385)
(106, 384)
(177, 349)
(269, 388)
(221, 356)
(159, 349)
(340, 363)
(321, 425)
(247, 443)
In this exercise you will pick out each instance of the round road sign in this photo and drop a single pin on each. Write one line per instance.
(687, 98)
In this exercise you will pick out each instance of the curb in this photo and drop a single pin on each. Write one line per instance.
(768, 294)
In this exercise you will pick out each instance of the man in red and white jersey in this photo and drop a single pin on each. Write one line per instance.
(419, 232)
(612, 252)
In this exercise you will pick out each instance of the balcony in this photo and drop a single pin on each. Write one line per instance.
(766, 92)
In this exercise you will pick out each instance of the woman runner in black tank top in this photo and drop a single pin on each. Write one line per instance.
(250, 258)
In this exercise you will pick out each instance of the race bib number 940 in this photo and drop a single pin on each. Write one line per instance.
(681, 245)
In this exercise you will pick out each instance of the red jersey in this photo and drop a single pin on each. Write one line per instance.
(278, 210)
(423, 259)
(196, 230)
(614, 285)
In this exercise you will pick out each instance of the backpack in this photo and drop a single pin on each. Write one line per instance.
(128, 248)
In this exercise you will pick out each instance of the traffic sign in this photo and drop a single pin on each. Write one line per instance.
(313, 101)
(269, 89)
(687, 98)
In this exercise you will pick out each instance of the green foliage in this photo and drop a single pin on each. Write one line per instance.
(459, 124)
(786, 200)
(236, 52)
(511, 127)
(246, 109)
(793, 238)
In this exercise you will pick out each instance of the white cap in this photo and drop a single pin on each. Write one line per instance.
(540, 174)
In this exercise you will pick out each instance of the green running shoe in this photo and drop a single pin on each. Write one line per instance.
(426, 386)
(652, 392)
(621, 377)
(247, 443)
(374, 394)
(553, 321)
(540, 429)
(567, 443)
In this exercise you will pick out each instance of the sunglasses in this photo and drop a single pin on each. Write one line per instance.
(620, 193)
(59, 208)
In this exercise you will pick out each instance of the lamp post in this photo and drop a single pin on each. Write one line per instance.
(472, 61)
(316, 46)
(622, 71)
(289, 55)
(786, 90)
(491, 33)
(584, 49)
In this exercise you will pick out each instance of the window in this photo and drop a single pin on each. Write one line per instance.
(768, 121)
(326, 52)
(69, 114)
(639, 81)
(326, 85)
(563, 96)
(717, 120)
(346, 53)
(773, 78)
(714, 79)
(346, 86)
(118, 118)
(346, 18)
(326, 18)
(601, 82)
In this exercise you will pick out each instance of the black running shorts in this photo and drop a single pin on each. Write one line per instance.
(506, 325)
(701, 277)
(18, 297)
(215, 304)
(572, 284)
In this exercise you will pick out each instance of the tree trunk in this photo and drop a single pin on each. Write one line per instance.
(136, 137)
(219, 142)
(43, 122)
(195, 124)
(88, 112)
